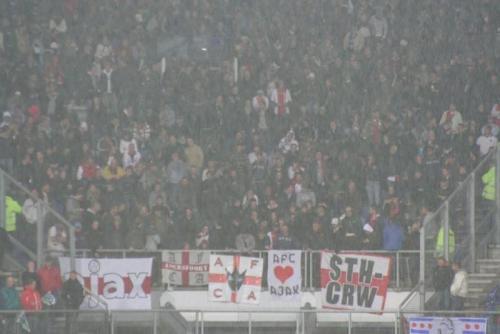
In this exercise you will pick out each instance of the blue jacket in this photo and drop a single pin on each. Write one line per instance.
(9, 299)
(393, 235)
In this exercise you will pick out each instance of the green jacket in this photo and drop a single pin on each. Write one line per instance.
(12, 208)
(489, 184)
(440, 243)
(9, 299)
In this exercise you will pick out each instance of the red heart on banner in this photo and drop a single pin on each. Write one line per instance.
(283, 273)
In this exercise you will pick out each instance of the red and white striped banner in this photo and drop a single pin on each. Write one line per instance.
(235, 279)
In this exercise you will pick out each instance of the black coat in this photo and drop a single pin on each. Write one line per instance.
(72, 294)
(442, 277)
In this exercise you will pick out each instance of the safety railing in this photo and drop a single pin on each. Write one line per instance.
(55, 321)
(298, 320)
(31, 238)
(464, 224)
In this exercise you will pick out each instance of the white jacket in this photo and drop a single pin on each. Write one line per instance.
(459, 286)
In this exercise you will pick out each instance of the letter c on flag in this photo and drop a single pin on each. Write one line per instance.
(218, 293)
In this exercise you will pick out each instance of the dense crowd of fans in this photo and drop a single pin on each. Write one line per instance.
(345, 123)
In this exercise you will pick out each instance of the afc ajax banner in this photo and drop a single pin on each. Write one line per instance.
(235, 279)
(284, 275)
(354, 281)
(185, 268)
(124, 284)
(438, 325)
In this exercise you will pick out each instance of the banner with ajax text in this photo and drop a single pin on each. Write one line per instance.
(124, 284)
(354, 281)
(284, 275)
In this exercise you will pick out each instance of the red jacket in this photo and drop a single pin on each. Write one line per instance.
(30, 299)
(50, 279)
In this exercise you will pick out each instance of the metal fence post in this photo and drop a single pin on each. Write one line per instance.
(397, 270)
(397, 321)
(112, 323)
(250, 323)
(197, 330)
(39, 233)
(446, 230)
(349, 323)
(422, 269)
(471, 203)
(155, 323)
(311, 265)
(2, 199)
(497, 194)
(202, 314)
(72, 247)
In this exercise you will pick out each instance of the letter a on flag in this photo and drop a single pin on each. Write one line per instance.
(235, 279)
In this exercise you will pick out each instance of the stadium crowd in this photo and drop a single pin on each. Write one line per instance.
(345, 123)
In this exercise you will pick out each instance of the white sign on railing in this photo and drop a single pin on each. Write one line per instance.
(124, 284)
(185, 268)
(354, 281)
(284, 275)
(235, 279)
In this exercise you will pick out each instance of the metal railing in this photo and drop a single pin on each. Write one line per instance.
(462, 225)
(45, 213)
(298, 320)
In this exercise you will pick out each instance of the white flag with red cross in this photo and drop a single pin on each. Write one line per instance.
(185, 268)
(235, 279)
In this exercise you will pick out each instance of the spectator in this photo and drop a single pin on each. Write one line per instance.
(72, 295)
(486, 141)
(442, 278)
(30, 274)
(194, 154)
(361, 86)
(57, 239)
(12, 208)
(50, 278)
(5, 244)
(393, 234)
(9, 300)
(31, 301)
(459, 287)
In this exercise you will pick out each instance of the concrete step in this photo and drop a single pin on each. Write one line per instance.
(473, 289)
(482, 282)
(494, 251)
(489, 268)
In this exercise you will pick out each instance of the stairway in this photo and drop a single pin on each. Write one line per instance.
(486, 277)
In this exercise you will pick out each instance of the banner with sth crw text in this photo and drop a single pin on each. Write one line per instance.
(354, 281)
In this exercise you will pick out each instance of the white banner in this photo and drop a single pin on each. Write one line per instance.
(354, 281)
(235, 279)
(434, 325)
(124, 284)
(185, 268)
(284, 275)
